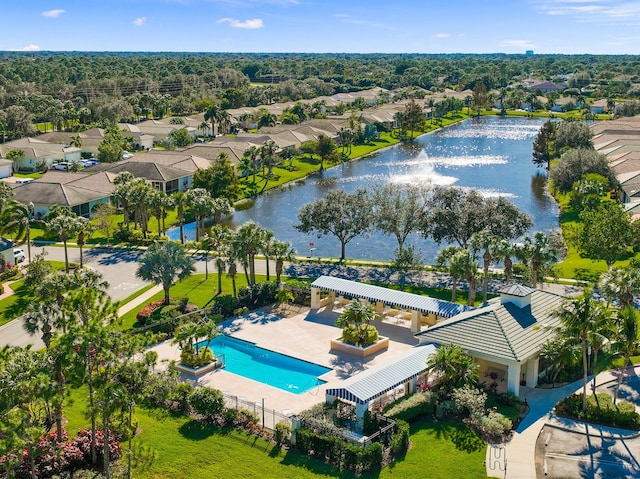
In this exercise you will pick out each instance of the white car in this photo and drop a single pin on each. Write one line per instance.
(19, 255)
(63, 165)
(126, 155)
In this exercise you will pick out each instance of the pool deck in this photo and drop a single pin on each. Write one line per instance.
(305, 336)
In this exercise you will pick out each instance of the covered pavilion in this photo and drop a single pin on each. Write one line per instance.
(367, 386)
(420, 309)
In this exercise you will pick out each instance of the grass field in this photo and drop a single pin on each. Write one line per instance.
(172, 446)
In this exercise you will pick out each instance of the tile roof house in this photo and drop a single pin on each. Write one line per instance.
(79, 191)
(6, 252)
(504, 336)
(36, 150)
(164, 178)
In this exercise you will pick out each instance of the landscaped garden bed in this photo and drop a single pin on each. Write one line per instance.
(338, 345)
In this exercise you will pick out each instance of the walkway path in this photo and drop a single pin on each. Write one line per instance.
(518, 456)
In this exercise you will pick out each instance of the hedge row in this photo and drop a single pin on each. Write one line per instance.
(338, 452)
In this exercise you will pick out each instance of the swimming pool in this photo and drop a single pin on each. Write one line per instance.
(250, 361)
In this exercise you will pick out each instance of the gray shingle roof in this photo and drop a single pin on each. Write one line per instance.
(5, 244)
(40, 193)
(424, 304)
(375, 382)
(503, 331)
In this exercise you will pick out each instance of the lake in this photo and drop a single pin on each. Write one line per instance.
(490, 154)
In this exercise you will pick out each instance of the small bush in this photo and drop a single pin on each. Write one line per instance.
(207, 402)
(622, 414)
(281, 434)
(400, 439)
(420, 403)
(493, 425)
(145, 313)
(469, 400)
(189, 358)
(180, 395)
(446, 408)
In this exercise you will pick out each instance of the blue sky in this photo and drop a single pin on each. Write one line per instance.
(412, 26)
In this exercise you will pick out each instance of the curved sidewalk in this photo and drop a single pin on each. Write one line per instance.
(516, 459)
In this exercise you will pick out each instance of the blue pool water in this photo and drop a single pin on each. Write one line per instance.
(277, 370)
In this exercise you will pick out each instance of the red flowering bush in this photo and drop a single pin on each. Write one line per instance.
(52, 457)
(145, 313)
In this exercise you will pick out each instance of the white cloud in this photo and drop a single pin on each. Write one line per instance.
(53, 13)
(442, 35)
(28, 48)
(138, 22)
(251, 24)
(594, 11)
(517, 44)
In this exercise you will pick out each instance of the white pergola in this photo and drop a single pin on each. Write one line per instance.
(381, 297)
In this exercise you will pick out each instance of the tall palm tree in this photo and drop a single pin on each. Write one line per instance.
(579, 317)
(219, 237)
(201, 205)
(249, 238)
(268, 155)
(282, 252)
(163, 263)
(181, 203)
(627, 340)
(212, 114)
(538, 254)
(16, 219)
(253, 153)
(447, 259)
(266, 249)
(487, 242)
(64, 224)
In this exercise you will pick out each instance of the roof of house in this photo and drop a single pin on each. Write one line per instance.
(5, 244)
(378, 380)
(391, 297)
(140, 169)
(44, 193)
(504, 331)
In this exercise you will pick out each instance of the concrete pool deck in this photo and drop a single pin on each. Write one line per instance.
(304, 336)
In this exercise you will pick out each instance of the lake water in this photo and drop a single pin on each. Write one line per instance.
(490, 154)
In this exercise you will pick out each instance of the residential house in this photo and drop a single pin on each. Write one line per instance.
(79, 191)
(547, 87)
(599, 106)
(163, 178)
(564, 103)
(6, 168)
(36, 150)
(504, 336)
(6, 252)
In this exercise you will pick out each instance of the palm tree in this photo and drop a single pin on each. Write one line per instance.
(181, 203)
(454, 368)
(212, 114)
(64, 224)
(201, 205)
(449, 259)
(538, 254)
(163, 263)
(266, 249)
(579, 316)
(487, 241)
(253, 153)
(282, 252)
(504, 251)
(249, 239)
(558, 353)
(86, 229)
(627, 340)
(219, 237)
(204, 127)
(16, 219)
(267, 119)
(359, 315)
(75, 140)
(620, 284)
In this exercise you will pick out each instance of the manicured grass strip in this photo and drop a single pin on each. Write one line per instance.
(130, 298)
(199, 291)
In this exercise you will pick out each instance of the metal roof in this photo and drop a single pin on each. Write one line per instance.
(375, 382)
(390, 297)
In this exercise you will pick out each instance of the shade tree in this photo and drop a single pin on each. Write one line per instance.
(341, 214)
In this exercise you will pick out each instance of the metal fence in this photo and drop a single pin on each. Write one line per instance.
(268, 418)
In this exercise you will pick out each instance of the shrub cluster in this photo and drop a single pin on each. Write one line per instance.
(362, 335)
(338, 452)
(407, 408)
(190, 358)
(52, 457)
(145, 313)
(400, 439)
(622, 414)
(489, 423)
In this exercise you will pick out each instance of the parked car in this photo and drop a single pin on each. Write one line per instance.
(19, 255)
(89, 162)
(63, 165)
(126, 155)
(23, 181)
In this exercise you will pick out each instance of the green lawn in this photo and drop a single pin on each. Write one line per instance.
(199, 291)
(170, 445)
(18, 303)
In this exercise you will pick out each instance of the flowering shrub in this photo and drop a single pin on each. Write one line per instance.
(145, 313)
(52, 457)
